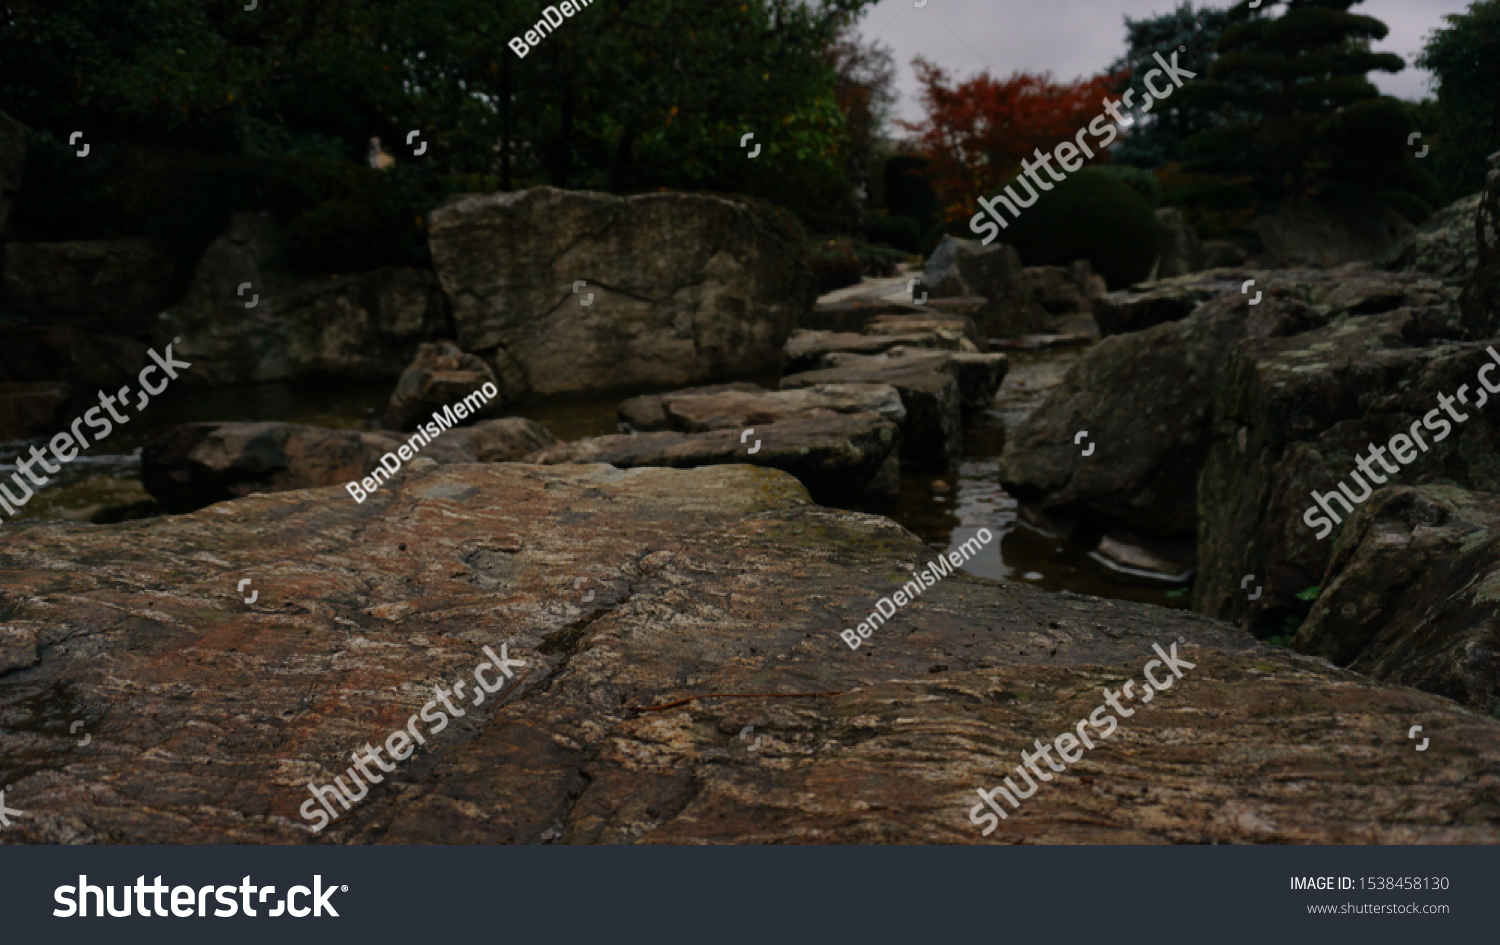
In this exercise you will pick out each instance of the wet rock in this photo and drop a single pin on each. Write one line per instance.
(31, 410)
(118, 286)
(210, 717)
(198, 464)
(968, 269)
(442, 374)
(12, 156)
(1181, 252)
(361, 327)
(1146, 557)
(842, 459)
(1411, 595)
(685, 288)
(702, 410)
(1443, 246)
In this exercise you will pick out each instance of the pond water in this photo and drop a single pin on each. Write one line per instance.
(942, 517)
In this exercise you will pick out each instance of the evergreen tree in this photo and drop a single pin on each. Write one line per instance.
(1159, 134)
(1465, 58)
(1299, 115)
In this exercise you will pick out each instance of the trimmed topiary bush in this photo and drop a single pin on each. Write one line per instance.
(1091, 215)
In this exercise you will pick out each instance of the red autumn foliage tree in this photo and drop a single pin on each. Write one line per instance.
(977, 132)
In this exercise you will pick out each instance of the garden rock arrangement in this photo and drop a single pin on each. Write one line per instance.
(1221, 426)
(209, 717)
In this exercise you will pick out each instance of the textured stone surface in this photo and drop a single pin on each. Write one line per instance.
(197, 464)
(698, 411)
(361, 327)
(808, 350)
(1145, 399)
(1443, 246)
(966, 268)
(441, 374)
(1291, 415)
(841, 458)
(209, 717)
(1411, 594)
(1326, 234)
(685, 289)
(118, 286)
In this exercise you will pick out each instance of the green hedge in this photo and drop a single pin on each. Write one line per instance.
(901, 233)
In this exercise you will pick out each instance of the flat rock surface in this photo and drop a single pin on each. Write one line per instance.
(691, 412)
(841, 458)
(208, 716)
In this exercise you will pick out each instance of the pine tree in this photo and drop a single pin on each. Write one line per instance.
(1300, 117)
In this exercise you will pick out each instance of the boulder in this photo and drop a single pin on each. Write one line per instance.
(1156, 303)
(1181, 252)
(1291, 416)
(1058, 290)
(1329, 233)
(79, 362)
(12, 157)
(210, 717)
(1443, 246)
(672, 289)
(965, 268)
(1411, 594)
(701, 410)
(32, 410)
(935, 387)
(441, 374)
(198, 464)
(115, 286)
(841, 458)
(360, 327)
(1145, 400)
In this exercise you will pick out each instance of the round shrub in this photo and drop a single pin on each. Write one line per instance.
(1091, 215)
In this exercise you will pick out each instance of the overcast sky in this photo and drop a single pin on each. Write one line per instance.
(1073, 38)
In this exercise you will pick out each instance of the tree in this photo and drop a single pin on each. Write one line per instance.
(1158, 134)
(1300, 116)
(976, 133)
(1464, 57)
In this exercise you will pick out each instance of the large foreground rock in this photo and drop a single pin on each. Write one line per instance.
(361, 327)
(198, 464)
(842, 458)
(1412, 592)
(209, 717)
(680, 289)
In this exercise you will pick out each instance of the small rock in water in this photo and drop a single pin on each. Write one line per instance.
(939, 487)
